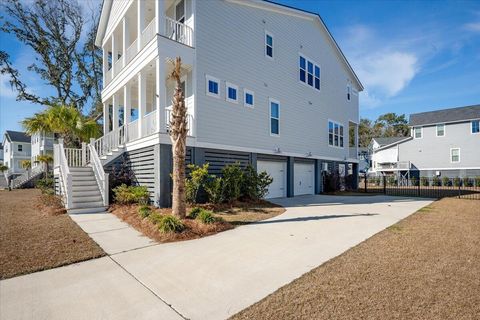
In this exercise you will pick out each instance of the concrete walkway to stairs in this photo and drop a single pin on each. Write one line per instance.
(208, 278)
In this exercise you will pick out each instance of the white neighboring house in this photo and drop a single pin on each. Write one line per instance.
(1, 153)
(265, 84)
(442, 143)
(42, 143)
(16, 148)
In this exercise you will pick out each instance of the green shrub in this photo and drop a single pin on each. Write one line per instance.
(214, 189)
(457, 182)
(436, 181)
(391, 180)
(255, 185)
(232, 181)
(169, 223)
(46, 185)
(414, 181)
(424, 181)
(144, 211)
(155, 217)
(206, 217)
(131, 194)
(195, 181)
(194, 212)
(477, 182)
(446, 181)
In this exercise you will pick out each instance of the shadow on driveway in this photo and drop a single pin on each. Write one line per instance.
(302, 219)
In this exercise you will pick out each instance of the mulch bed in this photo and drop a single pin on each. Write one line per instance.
(425, 267)
(33, 240)
(229, 215)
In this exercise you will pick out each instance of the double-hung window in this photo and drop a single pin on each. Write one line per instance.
(335, 134)
(269, 45)
(455, 155)
(213, 86)
(475, 126)
(274, 117)
(440, 130)
(20, 148)
(248, 98)
(309, 72)
(417, 132)
(231, 92)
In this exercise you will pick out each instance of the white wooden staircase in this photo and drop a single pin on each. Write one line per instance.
(28, 176)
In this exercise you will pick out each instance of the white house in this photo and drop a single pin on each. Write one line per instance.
(42, 143)
(264, 84)
(16, 149)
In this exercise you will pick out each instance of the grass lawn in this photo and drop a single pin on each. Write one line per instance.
(427, 266)
(31, 240)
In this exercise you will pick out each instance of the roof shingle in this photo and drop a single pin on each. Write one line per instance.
(446, 115)
(17, 136)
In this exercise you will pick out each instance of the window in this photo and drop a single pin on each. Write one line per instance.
(248, 100)
(231, 92)
(476, 126)
(180, 11)
(268, 45)
(440, 130)
(335, 134)
(349, 91)
(417, 132)
(20, 148)
(455, 155)
(309, 73)
(274, 117)
(213, 87)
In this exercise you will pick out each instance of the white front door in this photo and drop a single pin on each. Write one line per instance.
(278, 171)
(304, 179)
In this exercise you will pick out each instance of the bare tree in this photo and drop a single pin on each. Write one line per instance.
(178, 135)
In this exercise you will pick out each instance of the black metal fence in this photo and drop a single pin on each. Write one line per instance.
(428, 187)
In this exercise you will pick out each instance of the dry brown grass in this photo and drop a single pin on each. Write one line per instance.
(230, 215)
(31, 240)
(425, 267)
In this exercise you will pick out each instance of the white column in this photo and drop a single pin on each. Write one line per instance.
(161, 92)
(114, 54)
(142, 101)
(140, 22)
(106, 119)
(126, 40)
(105, 65)
(127, 107)
(115, 111)
(160, 15)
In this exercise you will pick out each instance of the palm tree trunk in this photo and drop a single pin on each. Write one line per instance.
(178, 136)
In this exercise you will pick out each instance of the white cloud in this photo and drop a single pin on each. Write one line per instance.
(6, 90)
(473, 26)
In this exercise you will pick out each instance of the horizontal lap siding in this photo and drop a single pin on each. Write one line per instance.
(217, 159)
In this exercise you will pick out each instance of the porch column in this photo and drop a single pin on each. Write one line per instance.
(105, 64)
(127, 107)
(142, 101)
(160, 92)
(106, 119)
(140, 22)
(160, 15)
(126, 40)
(115, 111)
(114, 54)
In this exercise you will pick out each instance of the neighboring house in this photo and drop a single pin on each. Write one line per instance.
(1, 153)
(265, 84)
(442, 143)
(16, 149)
(364, 161)
(42, 143)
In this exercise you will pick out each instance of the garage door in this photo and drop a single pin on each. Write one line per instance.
(278, 171)
(304, 179)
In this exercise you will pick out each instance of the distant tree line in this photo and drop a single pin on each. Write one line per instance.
(386, 125)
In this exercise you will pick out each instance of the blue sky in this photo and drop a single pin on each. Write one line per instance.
(411, 56)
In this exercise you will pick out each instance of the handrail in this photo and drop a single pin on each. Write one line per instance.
(65, 176)
(148, 33)
(100, 175)
(110, 141)
(24, 177)
(178, 31)
(131, 51)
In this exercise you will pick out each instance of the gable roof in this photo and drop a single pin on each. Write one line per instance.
(17, 136)
(107, 4)
(388, 141)
(446, 115)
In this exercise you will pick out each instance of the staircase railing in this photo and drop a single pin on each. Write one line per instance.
(110, 141)
(100, 175)
(65, 176)
(27, 175)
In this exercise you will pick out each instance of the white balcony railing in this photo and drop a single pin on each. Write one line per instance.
(148, 33)
(131, 51)
(118, 66)
(108, 77)
(132, 131)
(178, 31)
(149, 124)
(400, 165)
(168, 119)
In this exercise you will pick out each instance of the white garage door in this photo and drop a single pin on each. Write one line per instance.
(304, 179)
(278, 171)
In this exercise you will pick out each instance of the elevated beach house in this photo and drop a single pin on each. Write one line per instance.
(264, 84)
(16, 149)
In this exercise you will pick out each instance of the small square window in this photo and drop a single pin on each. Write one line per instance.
(232, 92)
(248, 100)
(213, 88)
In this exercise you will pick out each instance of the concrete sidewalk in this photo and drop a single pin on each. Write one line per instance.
(208, 278)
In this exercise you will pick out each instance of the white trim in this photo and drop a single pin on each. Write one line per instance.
(451, 155)
(444, 130)
(471, 126)
(328, 134)
(233, 86)
(270, 101)
(421, 132)
(207, 92)
(267, 33)
(245, 92)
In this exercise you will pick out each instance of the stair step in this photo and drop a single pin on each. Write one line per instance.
(86, 192)
(82, 188)
(80, 169)
(86, 210)
(83, 199)
(82, 183)
(83, 178)
(85, 205)
(82, 173)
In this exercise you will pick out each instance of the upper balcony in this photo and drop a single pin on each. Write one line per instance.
(141, 23)
(394, 166)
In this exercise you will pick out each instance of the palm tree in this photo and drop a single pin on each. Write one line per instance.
(178, 135)
(66, 121)
(3, 168)
(45, 159)
(26, 164)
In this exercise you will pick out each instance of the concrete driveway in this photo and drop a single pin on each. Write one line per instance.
(209, 278)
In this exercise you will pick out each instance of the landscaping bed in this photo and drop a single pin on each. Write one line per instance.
(32, 239)
(426, 266)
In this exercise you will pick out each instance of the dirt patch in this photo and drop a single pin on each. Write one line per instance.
(230, 215)
(31, 240)
(425, 267)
